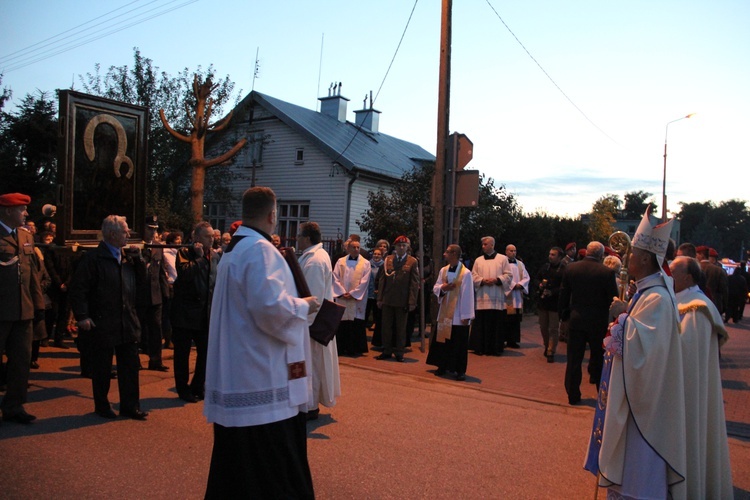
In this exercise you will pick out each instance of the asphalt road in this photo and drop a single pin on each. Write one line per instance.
(397, 432)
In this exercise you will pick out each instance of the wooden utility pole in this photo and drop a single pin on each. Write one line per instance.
(439, 241)
(200, 127)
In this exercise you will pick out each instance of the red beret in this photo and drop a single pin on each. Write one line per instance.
(235, 225)
(702, 249)
(712, 253)
(401, 239)
(14, 199)
(610, 251)
(569, 246)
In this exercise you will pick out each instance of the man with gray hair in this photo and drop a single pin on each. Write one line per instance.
(587, 290)
(491, 273)
(702, 333)
(103, 299)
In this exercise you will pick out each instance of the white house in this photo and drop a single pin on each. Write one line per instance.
(320, 165)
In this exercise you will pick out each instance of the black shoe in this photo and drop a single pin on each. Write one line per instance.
(383, 356)
(460, 377)
(313, 414)
(21, 417)
(439, 372)
(60, 344)
(478, 353)
(189, 397)
(108, 413)
(550, 358)
(113, 374)
(134, 414)
(514, 345)
(574, 401)
(158, 367)
(399, 359)
(34, 365)
(44, 343)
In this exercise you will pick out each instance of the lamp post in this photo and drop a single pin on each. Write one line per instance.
(664, 178)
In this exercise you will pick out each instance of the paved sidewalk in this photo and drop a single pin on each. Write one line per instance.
(525, 373)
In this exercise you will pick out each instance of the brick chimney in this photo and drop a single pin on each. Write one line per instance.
(335, 104)
(367, 118)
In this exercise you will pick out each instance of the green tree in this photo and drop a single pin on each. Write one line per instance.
(28, 147)
(5, 95)
(534, 234)
(691, 216)
(636, 203)
(144, 84)
(394, 212)
(496, 212)
(602, 217)
(724, 227)
(732, 220)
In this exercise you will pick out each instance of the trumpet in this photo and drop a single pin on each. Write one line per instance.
(619, 241)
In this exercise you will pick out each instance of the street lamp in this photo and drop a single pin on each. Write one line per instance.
(664, 178)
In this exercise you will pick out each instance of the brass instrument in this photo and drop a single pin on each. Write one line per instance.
(619, 241)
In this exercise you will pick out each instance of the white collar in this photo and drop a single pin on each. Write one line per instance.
(690, 289)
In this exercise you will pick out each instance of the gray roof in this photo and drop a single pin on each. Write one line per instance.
(361, 149)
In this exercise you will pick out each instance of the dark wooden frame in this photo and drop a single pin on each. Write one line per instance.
(90, 190)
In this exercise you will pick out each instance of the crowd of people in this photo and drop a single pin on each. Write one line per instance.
(237, 298)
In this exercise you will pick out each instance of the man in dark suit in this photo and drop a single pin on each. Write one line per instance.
(588, 288)
(152, 288)
(21, 299)
(103, 296)
(191, 311)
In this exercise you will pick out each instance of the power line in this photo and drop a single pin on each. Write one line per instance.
(92, 37)
(30, 48)
(548, 76)
(372, 103)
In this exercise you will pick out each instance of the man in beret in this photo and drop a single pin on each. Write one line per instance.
(21, 298)
(571, 252)
(398, 286)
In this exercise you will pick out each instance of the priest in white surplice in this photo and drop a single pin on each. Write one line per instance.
(351, 277)
(450, 339)
(491, 275)
(643, 453)
(257, 384)
(316, 266)
(709, 474)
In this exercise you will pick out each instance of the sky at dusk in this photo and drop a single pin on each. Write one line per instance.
(564, 101)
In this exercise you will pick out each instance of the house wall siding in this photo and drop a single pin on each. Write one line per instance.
(315, 180)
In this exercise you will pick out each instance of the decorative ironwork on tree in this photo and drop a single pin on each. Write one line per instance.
(200, 121)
